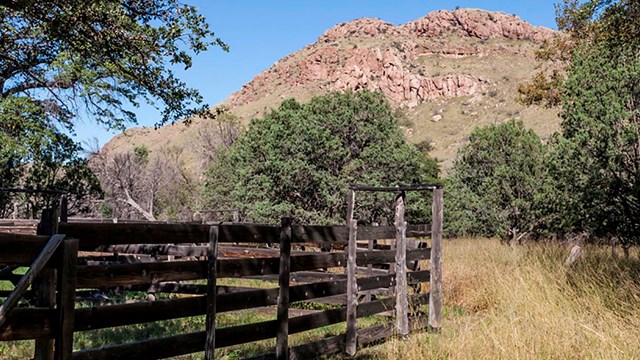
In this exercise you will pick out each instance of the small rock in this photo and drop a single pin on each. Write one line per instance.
(436, 118)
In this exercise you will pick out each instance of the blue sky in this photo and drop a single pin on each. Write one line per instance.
(261, 32)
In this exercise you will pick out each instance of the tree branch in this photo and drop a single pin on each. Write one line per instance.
(149, 216)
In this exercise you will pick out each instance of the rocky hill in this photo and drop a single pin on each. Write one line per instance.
(448, 72)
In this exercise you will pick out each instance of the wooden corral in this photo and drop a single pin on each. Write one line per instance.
(92, 257)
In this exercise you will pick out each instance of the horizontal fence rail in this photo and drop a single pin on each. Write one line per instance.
(94, 236)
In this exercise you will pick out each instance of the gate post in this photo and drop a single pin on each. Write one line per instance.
(352, 291)
(64, 211)
(402, 302)
(435, 282)
(45, 290)
(66, 299)
(45, 286)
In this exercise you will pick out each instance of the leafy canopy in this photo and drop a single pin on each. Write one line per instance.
(299, 159)
(584, 24)
(59, 58)
(594, 167)
(601, 117)
(101, 57)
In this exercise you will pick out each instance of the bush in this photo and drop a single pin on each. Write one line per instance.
(494, 183)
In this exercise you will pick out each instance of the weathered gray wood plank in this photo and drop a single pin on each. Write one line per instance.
(435, 284)
(104, 276)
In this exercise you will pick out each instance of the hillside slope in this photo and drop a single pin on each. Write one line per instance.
(448, 72)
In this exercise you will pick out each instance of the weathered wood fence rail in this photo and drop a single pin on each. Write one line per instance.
(55, 317)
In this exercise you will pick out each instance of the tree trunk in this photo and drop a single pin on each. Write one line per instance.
(147, 215)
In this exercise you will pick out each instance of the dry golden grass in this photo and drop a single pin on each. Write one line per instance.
(522, 303)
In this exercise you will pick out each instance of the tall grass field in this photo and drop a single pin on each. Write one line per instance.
(503, 302)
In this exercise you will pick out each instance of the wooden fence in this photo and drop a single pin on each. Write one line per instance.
(67, 265)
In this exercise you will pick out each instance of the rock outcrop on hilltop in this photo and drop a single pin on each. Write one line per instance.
(359, 27)
(333, 66)
(383, 70)
(480, 24)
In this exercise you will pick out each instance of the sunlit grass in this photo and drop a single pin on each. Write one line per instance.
(504, 302)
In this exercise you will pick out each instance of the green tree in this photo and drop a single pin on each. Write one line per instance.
(59, 58)
(594, 168)
(600, 115)
(494, 183)
(102, 57)
(299, 159)
(602, 119)
(35, 154)
(612, 23)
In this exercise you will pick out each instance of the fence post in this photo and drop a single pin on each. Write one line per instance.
(48, 224)
(45, 285)
(351, 203)
(66, 299)
(64, 211)
(210, 344)
(282, 339)
(435, 282)
(402, 303)
(45, 291)
(352, 291)
(370, 242)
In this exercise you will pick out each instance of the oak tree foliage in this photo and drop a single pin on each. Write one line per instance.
(583, 25)
(299, 159)
(593, 166)
(601, 117)
(35, 154)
